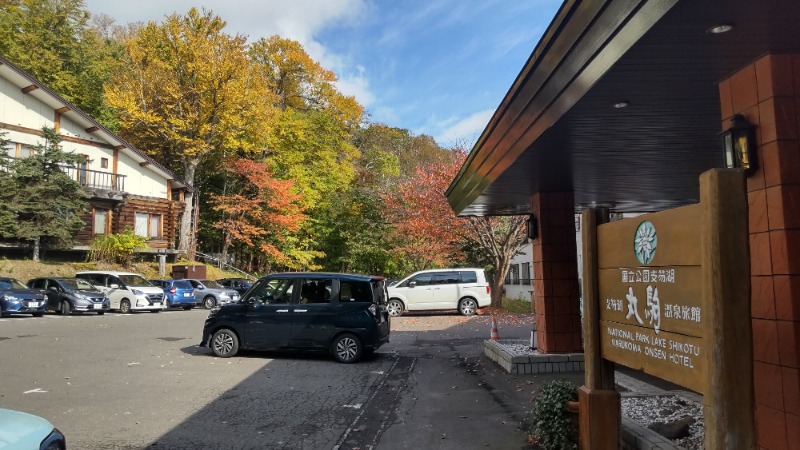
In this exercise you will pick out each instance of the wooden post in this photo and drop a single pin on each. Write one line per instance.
(599, 401)
(729, 401)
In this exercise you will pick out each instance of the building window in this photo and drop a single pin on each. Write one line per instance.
(147, 225)
(525, 274)
(100, 221)
(25, 151)
(104, 163)
(514, 274)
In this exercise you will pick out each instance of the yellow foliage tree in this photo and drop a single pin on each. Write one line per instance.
(187, 91)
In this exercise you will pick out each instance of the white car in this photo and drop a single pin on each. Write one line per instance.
(127, 291)
(464, 290)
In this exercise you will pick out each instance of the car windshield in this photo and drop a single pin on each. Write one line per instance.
(212, 284)
(134, 281)
(11, 283)
(77, 284)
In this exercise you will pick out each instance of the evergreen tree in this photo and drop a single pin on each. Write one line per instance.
(8, 218)
(47, 201)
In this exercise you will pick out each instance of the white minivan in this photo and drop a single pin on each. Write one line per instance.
(464, 290)
(126, 291)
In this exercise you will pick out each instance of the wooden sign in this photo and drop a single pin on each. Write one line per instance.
(669, 293)
(650, 289)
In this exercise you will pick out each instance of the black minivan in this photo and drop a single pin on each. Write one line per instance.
(341, 313)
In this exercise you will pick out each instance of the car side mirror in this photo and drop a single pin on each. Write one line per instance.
(52, 288)
(412, 284)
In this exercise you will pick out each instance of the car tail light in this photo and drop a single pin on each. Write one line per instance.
(173, 290)
(488, 290)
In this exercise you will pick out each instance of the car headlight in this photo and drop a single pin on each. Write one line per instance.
(80, 297)
(11, 298)
(225, 295)
(137, 292)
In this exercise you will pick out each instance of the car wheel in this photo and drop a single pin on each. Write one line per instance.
(38, 314)
(209, 302)
(467, 306)
(65, 308)
(395, 307)
(125, 306)
(347, 348)
(155, 310)
(224, 343)
(2, 314)
(167, 304)
(100, 313)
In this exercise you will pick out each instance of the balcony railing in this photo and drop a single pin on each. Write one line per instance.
(95, 178)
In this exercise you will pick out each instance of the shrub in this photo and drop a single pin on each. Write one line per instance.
(116, 248)
(552, 426)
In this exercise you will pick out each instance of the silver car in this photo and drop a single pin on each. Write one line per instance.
(209, 293)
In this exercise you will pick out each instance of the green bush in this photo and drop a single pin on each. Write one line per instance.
(116, 248)
(553, 427)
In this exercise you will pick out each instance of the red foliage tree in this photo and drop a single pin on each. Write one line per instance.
(427, 231)
(263, 212)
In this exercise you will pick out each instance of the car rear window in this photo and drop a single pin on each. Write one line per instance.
(355, 291)
(469, 276)
(182, 284)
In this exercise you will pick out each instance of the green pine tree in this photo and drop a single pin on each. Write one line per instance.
(48, 202)
(8, 217)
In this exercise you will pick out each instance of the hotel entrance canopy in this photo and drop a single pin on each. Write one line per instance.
(562, 126)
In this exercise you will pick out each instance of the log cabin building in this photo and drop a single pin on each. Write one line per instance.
(125, 187)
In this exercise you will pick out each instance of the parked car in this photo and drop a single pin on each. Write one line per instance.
(464, 290)
(341, 313)
(16, 298)
(209, 293)
(126, 291)
(178, 293)
(67, 295)
(20, 430)
(240, 285)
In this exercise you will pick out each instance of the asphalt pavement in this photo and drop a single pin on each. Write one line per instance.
(140, 381)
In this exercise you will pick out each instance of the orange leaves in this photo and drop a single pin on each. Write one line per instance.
(264, 210)
(428, 230)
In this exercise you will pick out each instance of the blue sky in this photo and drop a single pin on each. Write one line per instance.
(436, 67)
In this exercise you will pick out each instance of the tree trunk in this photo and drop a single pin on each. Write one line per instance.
(36, 248)
(186, 234)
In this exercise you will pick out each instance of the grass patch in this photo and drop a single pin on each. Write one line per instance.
(516, 306)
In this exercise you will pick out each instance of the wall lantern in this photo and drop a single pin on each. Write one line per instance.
(531, 227)
(739, 144)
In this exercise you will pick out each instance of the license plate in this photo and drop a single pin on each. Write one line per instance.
(186, 294)
(33, 304)
(98, 306)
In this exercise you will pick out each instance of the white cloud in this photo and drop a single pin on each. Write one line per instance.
(464, 131)
(356, 85)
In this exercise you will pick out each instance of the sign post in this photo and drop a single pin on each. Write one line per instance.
(670, 295)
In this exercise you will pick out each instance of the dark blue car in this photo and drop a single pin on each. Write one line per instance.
(16, 298)
(343, 314)
(179, 293)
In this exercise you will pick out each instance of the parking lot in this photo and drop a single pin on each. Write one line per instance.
(140, 381)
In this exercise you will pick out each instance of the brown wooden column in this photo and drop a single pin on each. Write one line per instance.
(600, 415)
(555, 274)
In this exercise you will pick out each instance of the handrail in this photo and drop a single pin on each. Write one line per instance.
(227, 265)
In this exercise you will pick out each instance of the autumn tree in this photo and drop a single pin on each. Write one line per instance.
(432, 235)
(189, 91)
(427, 231)
(263, 213)
(47, 202)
